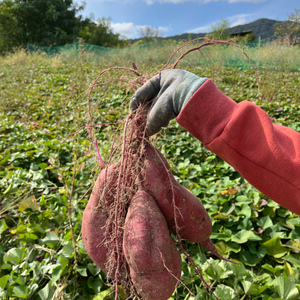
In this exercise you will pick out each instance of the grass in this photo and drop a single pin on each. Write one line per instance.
(43, 99)
(268, 57)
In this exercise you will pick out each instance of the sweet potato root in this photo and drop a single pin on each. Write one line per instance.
(193, 221)
(95, 217)
(149, 250)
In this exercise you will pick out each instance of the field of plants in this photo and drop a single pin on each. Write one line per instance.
(48, 167)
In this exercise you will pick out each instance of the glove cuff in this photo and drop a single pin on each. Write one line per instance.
(185, 90)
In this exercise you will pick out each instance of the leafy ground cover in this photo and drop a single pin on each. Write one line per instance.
(46, 177)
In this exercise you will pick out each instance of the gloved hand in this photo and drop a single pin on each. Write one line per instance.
(169, 90)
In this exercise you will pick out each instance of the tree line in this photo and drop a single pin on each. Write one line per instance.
(59, 22)
(51, 23)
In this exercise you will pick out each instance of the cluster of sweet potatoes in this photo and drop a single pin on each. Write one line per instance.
(159, 205)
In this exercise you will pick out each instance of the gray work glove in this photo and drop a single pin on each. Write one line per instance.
(170, 90)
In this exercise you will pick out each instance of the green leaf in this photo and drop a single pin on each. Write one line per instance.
(3, 281)
(239, 271)
(67, 250)
(6, 267)
(3, 225)
(21, 291)
(81, 246)
(44, 292)
(21, 228)
(110, 295)
(224, 292)
(95, 284)
(252, 288)
(291, 223)
(285, 288)
(275, 248)
(243, 199)
(56, 273)
(265, 222)
(37, 228)
(51, 239)
(13, 256)
(260, 252)
(91, 268)
(33, 288)
(248, 258)
(82, 270)
(280, 234)
(269, 211)
(215, 271)
(272, 269)
(43, 166)
(221, 217)
(221, 247)
(243, 236)
(4, 159)
(102, 295)
(245, 210)
(287, 269)
(233, 247)
(28, 236)
(245, 224)
(294, 244)
(29, 203)
(8, 190)
(295, 233)
(247, 285)
(229, 210)
(293, 259)
(272, 203)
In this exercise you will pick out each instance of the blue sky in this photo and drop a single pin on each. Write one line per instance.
(178, 16)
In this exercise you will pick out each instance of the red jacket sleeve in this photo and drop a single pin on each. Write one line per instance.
(265, 154)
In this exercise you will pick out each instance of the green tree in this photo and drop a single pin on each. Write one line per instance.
(100, 33)
(149, 33)
(290, 28)
(243, 38)
(8, 30)
(40, 22)
(219, 31)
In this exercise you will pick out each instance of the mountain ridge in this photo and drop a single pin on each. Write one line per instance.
(262, 27)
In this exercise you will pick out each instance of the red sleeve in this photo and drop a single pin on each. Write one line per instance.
(265, 154)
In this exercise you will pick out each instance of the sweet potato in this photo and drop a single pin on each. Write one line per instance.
(94, 218)
(149, 250)
(193, 221)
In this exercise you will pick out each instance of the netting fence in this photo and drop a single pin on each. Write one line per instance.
(263, 54)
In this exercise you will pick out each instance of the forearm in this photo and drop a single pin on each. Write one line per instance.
(266, 154)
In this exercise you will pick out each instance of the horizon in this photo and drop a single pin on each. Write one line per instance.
(175, 17)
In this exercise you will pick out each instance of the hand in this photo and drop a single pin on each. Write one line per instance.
(168, 91)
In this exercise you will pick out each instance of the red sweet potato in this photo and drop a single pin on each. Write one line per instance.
(94, 219)
(193, 221)
(149, 250)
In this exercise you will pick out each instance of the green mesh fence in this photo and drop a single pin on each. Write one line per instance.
(100, 50)
(77, 47)
(263, 54)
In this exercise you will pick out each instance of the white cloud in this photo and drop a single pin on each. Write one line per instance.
(164, 29)
(127, 29)
(233, 21)
(201, 29)
(241, 19)
(131, 30)
(149, 2)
